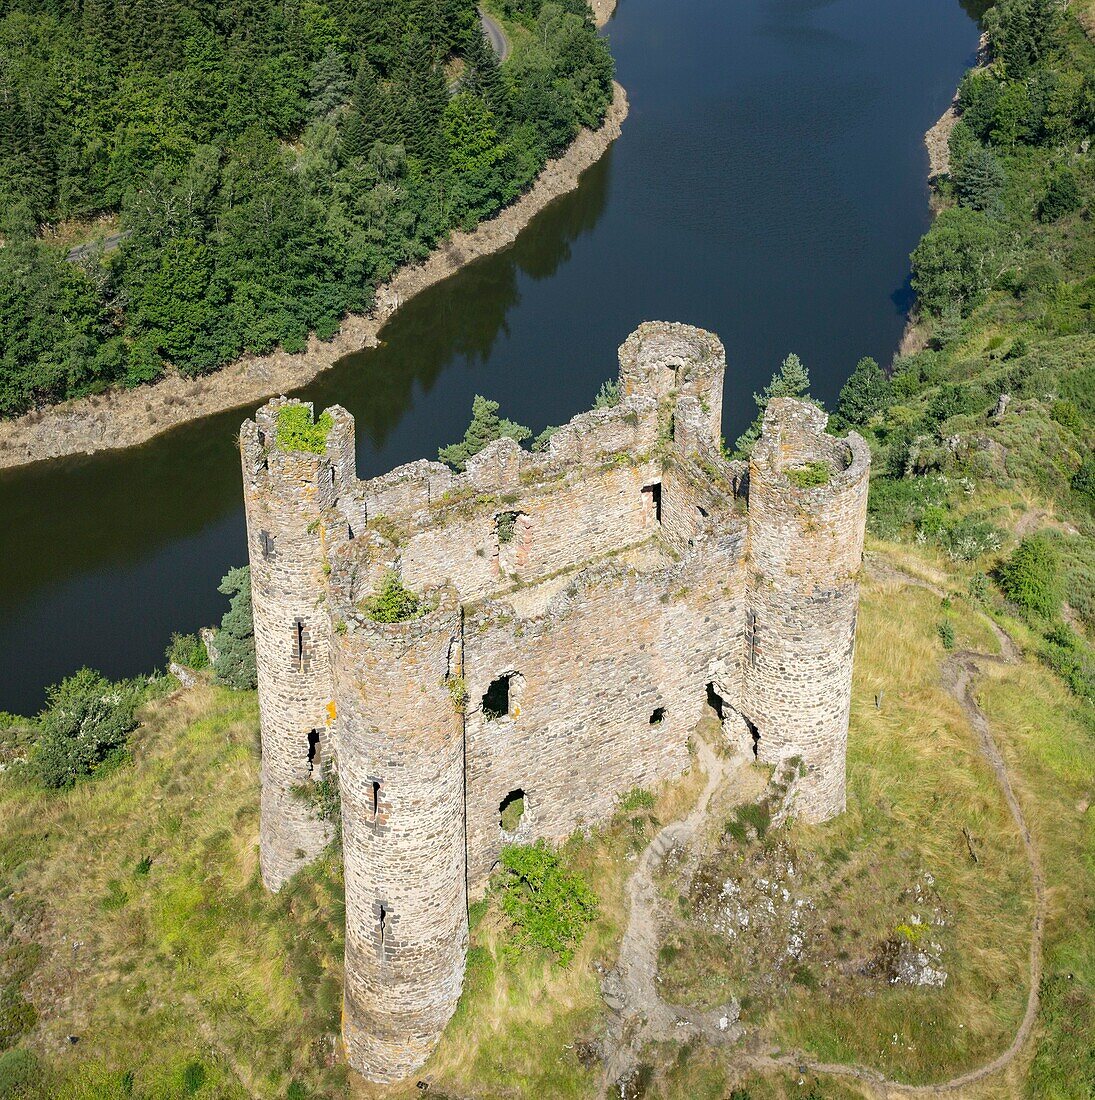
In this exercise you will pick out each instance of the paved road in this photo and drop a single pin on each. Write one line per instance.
(496, 35)
(109, 243)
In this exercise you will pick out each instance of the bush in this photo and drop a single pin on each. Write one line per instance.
(296, 432)
(946, 634)
(1062, 197)
(1071, 659)
(83, 728)
(967, 539)
(394, 602)
(235, 641)
(608, 396)
(1031, 577)
(21, 1074)
(809, 476)
(1083, 480)
(549, 906)
(187, 650)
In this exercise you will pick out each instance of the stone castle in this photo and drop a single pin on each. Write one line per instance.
(584, 605)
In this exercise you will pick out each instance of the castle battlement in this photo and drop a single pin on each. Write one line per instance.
(582, 606)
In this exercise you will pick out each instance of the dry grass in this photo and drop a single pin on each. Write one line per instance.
(193, 964)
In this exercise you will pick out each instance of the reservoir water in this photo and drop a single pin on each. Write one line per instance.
(769, 186)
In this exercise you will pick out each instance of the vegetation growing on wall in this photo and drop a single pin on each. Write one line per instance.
(296, 432)
(394, 602)
(486, 426)
(260, 168)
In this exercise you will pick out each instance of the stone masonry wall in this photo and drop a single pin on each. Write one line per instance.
(805, 552)
(401, 772)
(285, 495)
(606, 589)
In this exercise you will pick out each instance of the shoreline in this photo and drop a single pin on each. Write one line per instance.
(914, 338)
(125, 418)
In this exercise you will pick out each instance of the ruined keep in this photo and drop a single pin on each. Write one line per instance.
(582, 607)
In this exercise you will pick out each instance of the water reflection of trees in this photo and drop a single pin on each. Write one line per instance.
(459, 318)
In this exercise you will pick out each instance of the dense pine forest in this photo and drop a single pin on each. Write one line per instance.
(261, 166)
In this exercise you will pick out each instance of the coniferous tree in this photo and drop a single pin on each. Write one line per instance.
(791, 380)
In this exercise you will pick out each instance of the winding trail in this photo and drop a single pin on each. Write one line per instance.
(640, 1014)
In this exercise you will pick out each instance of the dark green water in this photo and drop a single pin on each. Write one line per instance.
(769, 186)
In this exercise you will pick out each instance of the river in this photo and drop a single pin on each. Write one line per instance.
(769, 186)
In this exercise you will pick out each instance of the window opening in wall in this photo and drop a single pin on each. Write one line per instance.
(314, 749)
(266, 544)
(716, 702)
(382, 924)
(657, 716)
(506, 527)
(298, 642)
(751, 638)
(702, 511)
(499, 700)
(334, 477)
(510, 811)
(655, 499)
(349, 533)
(375, 785)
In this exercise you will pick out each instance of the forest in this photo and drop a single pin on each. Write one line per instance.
(261, 167)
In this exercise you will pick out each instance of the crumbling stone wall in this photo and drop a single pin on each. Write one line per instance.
(606, 590)
(805, 553)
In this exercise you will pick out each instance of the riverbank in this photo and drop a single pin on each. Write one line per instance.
(126, 418)
(937, 141)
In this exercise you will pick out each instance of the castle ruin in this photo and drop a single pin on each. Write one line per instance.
(584, 605)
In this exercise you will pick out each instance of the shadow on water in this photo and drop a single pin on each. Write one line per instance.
(458, 321)
(769, 186)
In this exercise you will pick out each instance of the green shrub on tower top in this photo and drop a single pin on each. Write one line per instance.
(296, 432)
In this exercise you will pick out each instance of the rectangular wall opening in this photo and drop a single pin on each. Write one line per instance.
(652, 500)
(298, 644)
(315, 749)
(375, 785)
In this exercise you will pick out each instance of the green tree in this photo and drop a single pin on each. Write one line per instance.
(975, 171)
(1031, 577)
(486, 426)
(1063, 196)
(549, 907)
(235, 640)
(866, 393)
(1020, 31)
(475, 154)
(83, 728)
(791, 380)
(977, 95)
(956, 261)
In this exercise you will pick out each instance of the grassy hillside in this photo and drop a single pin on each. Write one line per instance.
(134, 920)
(140, 957)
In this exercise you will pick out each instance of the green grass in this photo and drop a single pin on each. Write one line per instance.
(183, 965)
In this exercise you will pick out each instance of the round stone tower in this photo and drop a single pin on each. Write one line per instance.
(807, 511)
(291, 526)
(401, 776)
